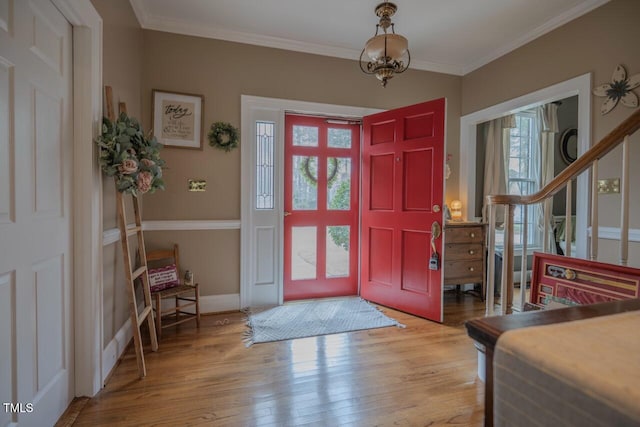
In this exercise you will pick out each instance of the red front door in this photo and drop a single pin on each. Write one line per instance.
(321, 207)
(402, 185)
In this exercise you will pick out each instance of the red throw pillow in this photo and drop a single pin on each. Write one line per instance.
(163, 278)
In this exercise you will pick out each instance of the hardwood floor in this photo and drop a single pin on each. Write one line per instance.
(423, 375)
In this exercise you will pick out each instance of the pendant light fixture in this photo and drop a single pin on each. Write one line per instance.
(385, 54)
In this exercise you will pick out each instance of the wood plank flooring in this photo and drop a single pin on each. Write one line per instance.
(423, 375)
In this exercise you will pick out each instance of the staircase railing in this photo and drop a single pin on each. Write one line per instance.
(620, 135)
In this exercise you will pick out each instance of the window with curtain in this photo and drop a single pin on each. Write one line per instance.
(522, 178)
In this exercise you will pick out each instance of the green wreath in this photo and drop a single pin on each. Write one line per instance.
(223, 136)
(305, 169)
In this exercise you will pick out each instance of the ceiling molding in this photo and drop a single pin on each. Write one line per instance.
(166, 24)
(180, 27)
(550, 25)
(139, 11)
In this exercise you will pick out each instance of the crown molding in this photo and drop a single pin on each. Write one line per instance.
(550, 25)
(139, 11)
(158, 23)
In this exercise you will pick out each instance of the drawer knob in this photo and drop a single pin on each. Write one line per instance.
(471, 252)
(471, 269)
(472, 235)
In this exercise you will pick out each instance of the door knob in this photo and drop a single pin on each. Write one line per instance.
(287, 213)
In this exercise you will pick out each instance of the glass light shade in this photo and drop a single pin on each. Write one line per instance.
(397, 46)
(456, 210)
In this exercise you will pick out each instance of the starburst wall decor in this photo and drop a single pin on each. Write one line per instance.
(619, 90)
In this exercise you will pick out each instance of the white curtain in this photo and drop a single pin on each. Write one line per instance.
(496, 163)
(547, 123)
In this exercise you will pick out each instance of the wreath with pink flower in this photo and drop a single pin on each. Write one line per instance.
(130, 156)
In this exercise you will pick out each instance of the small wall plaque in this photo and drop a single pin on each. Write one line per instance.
(197, 185)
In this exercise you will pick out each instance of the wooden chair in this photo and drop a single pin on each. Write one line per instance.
(169, 284)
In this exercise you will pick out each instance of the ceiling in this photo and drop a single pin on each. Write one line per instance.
(448, 36)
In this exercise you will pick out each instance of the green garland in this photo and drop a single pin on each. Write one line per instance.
(223, 136)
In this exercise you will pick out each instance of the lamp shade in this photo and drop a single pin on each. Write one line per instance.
(456, 210)
(396, 46)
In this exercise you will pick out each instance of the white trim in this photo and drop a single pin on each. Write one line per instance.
(170, 25)
(613, 233)
(277, 108)
(87, 194)
(113, 351)
(219, 303)
(110, 236)
(191, 225)
(548, 26)
(580, 86)
(163, 23)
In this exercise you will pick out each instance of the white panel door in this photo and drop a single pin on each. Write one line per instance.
(36, 336)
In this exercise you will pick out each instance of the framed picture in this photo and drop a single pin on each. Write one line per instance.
(177, 119)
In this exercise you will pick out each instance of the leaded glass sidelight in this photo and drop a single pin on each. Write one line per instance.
(264, 165)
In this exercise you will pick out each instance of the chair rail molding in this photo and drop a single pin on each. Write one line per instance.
(613, 233)
(214, 224)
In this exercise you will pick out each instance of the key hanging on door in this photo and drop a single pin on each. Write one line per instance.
(434, 260)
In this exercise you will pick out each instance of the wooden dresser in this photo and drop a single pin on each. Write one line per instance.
(464, 254)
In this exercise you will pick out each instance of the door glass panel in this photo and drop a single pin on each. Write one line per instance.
(338, 251)
(339, 183)
(305, 136)
(304, 253)
(339, 138)
(305, 183)
(264, 165)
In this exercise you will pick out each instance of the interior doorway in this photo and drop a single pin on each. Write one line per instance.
(579, 86)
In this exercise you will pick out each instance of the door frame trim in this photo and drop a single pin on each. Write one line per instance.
(581, 86)
(249, 106)
(87, 195)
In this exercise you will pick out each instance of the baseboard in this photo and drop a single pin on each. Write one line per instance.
(112, 352)
(210, 303)
(219, 303)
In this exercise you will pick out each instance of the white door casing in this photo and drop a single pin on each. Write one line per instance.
(580, 86)
(262, 232)
(36, 157)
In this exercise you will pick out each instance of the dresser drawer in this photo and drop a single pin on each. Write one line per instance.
(464, 235)
(467, 251)
(463, 271)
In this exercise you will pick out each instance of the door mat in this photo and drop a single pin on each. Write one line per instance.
(313, 318)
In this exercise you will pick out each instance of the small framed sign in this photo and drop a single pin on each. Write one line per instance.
(177, 119)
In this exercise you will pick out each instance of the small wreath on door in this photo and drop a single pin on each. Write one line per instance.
(223, 136)
(305, 168)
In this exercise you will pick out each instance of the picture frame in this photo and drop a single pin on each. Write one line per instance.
(177, 119)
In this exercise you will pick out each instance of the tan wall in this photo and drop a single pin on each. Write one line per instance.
(122, 70)
(222, 71)
(594, 43)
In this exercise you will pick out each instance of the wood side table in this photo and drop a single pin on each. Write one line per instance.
(464, 258)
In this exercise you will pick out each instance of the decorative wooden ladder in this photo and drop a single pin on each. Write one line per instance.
(141, 272)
